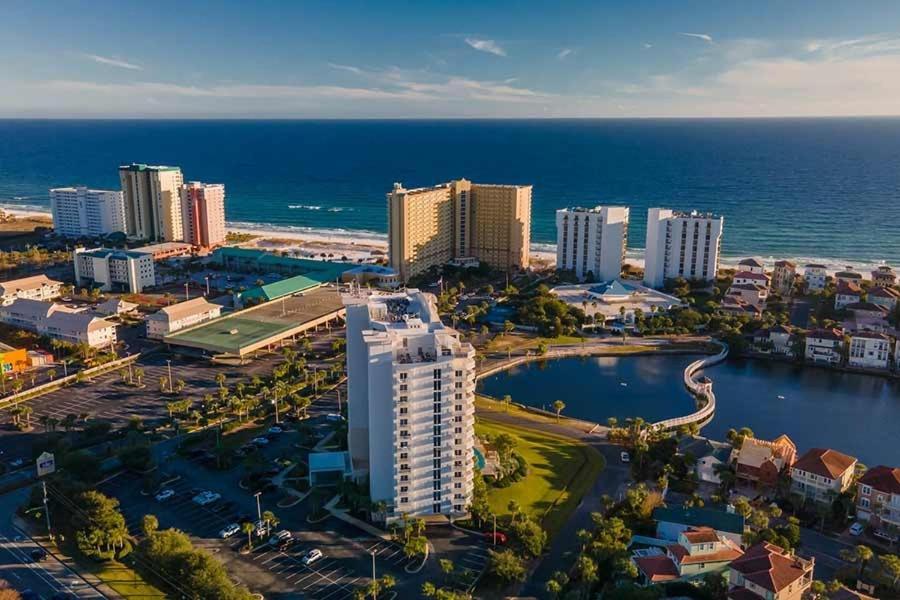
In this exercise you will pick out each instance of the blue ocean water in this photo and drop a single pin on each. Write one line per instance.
(824, 188)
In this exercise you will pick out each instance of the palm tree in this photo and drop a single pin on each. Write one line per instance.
(51, 373)
(220, 379)
(507, 400)
(270, 520)
(248, 528)
(860, 555)
(558, 406)
(139, 375)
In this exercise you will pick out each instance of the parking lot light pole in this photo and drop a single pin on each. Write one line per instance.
(374, 580)
(258, 509)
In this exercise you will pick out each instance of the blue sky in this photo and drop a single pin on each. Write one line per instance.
(449, 59)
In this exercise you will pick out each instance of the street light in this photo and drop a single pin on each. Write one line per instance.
(374, 580)
(169, 365)
(258, 509)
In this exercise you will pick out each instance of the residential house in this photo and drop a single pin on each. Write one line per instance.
(752, 265)
(60, 322)
(768, 572)
(750, 278)
(815, 277)
(37, 287)
(878, 500)
(822, 474)
(699, 550)
(825, 346)
(760, 462)
(883, 296)
(847, 293)
(671, 521)
(848, 276)
(869, 350)
(783, 277)
(708, 455)
(736, 305)
(776, 340)
(867, 316)
(750, 293)
(884, 276)
(115, 306)
(179, 316)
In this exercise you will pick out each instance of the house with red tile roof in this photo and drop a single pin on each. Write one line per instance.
(847, 293)
(760, 462)
(750, 278)
(822, 474)
(825, 346)
(884, 276)
(883, 296)
(869, 350)
(768, 572)
(848, 276)
(700, 550)
(878, 499)
(752, 265)
(783, 277)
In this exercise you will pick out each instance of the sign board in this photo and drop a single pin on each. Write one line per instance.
(46, 464)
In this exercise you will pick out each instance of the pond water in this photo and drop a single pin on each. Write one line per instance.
(856, 414)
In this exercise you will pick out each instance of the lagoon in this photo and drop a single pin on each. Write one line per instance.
(856, 414)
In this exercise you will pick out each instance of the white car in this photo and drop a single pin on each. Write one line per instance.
(259, 441)
(311, 556)
(280, 536)
(229, 530)
(857, 528)
(275, 429)
(625, 457)
(164, 495)
(207, 497)
(334, 417)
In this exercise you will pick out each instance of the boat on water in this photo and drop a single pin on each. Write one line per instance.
(623, 384)
(780, 397)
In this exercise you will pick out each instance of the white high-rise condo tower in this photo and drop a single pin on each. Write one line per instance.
(592, 241)
(411, 404)
(79, 211)
(681, 245)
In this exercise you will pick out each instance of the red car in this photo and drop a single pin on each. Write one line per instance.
(498, 538)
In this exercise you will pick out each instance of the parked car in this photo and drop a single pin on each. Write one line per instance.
(259, 441)
(164, 495)
(334, 417)
(498, 538)
(275, 429)
(206, 497)
(229, 530)
(625, 457)
(38, 555)
(857, 528)
(311, 556)
(279, 537)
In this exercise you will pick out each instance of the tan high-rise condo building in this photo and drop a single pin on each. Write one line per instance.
(429, 227)
(203, 213)
(152, 202)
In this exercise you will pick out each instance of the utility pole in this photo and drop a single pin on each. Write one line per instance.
(207, 285)
(169, 365)
(47, 510)
(187, 294)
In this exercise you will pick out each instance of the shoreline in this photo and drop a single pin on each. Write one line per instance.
(366, 246)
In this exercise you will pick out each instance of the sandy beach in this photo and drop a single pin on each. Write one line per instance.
(369, 246)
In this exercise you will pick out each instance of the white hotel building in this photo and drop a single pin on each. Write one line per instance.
(411, 404)
(79, 211)
(592, 240)
(681, 245)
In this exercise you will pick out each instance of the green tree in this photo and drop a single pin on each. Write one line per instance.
(891, 565)
(558, 407)
(149, 525)
(506, 565)
(859, 555)
(100, 529)
(248, 528)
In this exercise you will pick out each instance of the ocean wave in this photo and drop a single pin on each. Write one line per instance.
(304, 206)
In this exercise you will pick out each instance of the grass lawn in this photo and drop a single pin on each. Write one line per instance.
(560, 471)
(125, 581)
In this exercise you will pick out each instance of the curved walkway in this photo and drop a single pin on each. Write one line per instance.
(700, 389)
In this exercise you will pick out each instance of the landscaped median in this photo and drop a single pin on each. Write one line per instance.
(560, 471)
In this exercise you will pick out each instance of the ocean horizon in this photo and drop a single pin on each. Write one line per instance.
(823, 189)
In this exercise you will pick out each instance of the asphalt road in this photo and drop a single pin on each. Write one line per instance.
(44, 578)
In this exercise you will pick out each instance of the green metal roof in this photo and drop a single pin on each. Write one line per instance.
(318, 270)
(285, 287)
(701, 517)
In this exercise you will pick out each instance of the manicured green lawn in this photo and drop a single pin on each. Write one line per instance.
(125, 581)
(560, 471)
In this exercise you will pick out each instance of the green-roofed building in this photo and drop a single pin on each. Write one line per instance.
(671, 521)
(249, 260)
(279, 289)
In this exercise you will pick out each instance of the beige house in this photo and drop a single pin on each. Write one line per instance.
(60, 322)
(179, 316)
(700, 550)
(768, 572)
(822, 474)
(37, 287)
(783, 277)
(428, 227)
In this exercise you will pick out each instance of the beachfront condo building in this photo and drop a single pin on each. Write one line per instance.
(411, 404)
(429, 227)
(79, 211)
(203, 214)
(114, 269)
(591, 241)
(152, 202)
(681, 244)
(37, 287)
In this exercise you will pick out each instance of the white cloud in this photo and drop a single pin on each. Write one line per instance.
(647, 46)
(348, 68)
(489, 46)
(564, 53)
(700, 36)
(113, 62)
